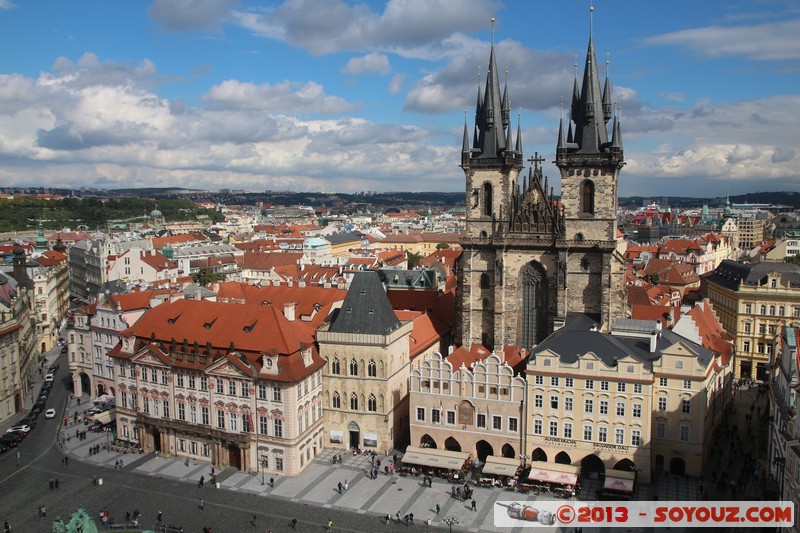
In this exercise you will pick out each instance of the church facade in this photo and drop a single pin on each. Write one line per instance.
(530, 259)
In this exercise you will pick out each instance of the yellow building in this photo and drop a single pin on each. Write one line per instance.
(617, 400)
(753, 301)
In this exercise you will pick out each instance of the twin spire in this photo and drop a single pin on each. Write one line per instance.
(587, 133)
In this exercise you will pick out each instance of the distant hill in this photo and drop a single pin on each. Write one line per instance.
(786, 198)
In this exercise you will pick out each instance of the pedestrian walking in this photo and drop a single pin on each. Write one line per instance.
(340, 487)
(253, 521)
(438, 508)
(346, 485)
(158, 518)
(272, 482)
(52, 484)
(411, 518)
(202, 504)
(57, 483)
(44, 511)
(293, 523)
(186, 462)
(330, 526)
(127, 517)
(202, 481)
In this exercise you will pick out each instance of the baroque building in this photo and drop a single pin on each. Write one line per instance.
(232, 385)
(528, 259)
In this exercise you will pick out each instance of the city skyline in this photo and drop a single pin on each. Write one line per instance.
(324, 95)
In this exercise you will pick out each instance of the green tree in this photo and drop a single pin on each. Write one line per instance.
(413, 259)
(442, 246)
(206, 276)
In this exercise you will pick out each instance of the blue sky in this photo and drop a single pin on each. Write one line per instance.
(330, 95)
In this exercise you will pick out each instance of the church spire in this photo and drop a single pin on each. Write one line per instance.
(576, 97)
(562, 145)
(616, 135)
(465, 142)
(489, 114)
(590, 132)
(518, 148)
(607, 97)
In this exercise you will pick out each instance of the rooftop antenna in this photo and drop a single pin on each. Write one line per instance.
(591, 10)
(492, 31)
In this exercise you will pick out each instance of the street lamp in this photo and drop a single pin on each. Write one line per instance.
(262, 464)
(450, 520)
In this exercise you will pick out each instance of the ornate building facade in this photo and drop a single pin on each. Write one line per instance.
(528, 259)
(232, 385)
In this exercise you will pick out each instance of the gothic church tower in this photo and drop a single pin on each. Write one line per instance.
(589, 164)
(528, 260)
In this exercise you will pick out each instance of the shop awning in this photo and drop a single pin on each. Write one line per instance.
(554, 473)
(501, 466)
(621, 480)
(104, 417)
(435, 458)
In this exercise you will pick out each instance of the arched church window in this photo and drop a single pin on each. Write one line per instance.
(484, 235)
(337, 401)
(587, 197)
(487, 199)
(372, 369)
(579, 236)
(353, 368)
(335, 366)
(372, 403)
(534, 305)
(354, 402)
(484, 280)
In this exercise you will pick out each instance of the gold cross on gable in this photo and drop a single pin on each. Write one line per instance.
(536, 160)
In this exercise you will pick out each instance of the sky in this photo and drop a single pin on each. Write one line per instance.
(341, 96)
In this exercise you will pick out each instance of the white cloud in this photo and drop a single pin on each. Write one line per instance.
(370, 63)
(675, 97)
(772, 41)
(284, 97)
(7, 4)
(328, 26)
(396, 83)
(178, 15)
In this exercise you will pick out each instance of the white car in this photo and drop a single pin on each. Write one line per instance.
(50, 413)
(23, 428)
(49, 377)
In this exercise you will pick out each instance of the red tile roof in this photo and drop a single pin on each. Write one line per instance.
(268, 260)
(251, 330)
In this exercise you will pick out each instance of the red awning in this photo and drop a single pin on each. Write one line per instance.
(550, 476)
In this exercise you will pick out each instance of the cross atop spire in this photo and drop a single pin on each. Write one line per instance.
(536, 160)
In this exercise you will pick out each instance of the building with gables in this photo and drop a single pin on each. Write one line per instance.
(233, 385)
(18, 346)
(470, 401)
(530, 260)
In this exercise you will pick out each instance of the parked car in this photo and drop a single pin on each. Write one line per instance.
(21, 427)
(4, 447)
(10, 441)
(49, 378)
(64, 349)
(50, 413)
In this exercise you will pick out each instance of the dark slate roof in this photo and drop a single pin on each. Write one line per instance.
(730, 274)
(409, 279)
(337, 238)
(366, 308)
(576, 339)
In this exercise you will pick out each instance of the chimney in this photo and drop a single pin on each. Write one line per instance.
(289, 311)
